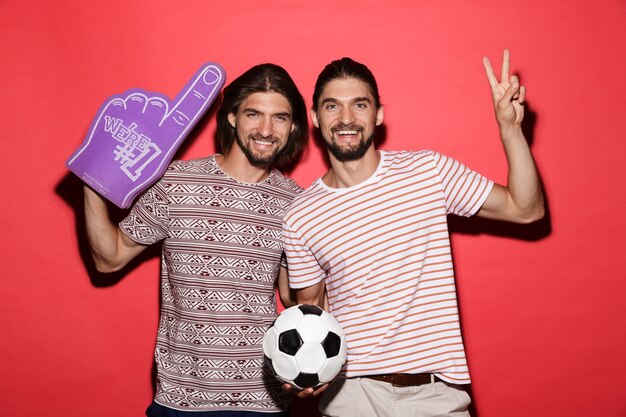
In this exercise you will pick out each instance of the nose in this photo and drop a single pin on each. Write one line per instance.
(266, 128)
(346, 116)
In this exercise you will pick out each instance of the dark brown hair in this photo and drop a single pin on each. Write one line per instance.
(264, 78)
(341, 69)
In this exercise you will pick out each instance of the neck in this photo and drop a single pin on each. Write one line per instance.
(350, 173)
(236, 165)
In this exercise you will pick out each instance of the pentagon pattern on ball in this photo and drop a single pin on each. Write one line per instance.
(307, 380)
(305, 346)
(310, 309)
(289, 342)
(332, 344)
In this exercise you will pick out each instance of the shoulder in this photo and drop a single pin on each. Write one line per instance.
(409, 161)
(308, 200)
(199, 164)
(402, 156)
(189, 168)
(278, 179)
(280, 182)
(408, 154)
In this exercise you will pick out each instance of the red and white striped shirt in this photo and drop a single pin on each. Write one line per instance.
(382, 247)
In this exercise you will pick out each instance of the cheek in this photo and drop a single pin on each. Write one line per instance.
(284, 130)
(246, 128)
(241, 131)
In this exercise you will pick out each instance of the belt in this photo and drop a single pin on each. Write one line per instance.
(404, 380)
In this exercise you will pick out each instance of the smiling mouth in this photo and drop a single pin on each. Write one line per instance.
(346, 136)
(263, 141)
(347, 131)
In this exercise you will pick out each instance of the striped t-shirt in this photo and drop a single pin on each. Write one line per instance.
(222, 248)
(383, 250)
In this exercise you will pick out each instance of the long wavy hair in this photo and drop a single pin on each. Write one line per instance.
(264, 78)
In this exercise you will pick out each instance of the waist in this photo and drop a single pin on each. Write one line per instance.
(404, 380)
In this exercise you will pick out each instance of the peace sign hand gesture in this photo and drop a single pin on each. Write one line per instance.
(507, 94)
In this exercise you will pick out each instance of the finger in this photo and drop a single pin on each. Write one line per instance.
(305, 393)
(506, 62)
(514, 80)
(320, 390)
(522, 95)
(156, 108)
(509, 93)
(195, 98)
(491, 76)
(136, 101)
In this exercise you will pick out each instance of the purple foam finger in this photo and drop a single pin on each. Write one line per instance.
(190, 103)
(134, 136)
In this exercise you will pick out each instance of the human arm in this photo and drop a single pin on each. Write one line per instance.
(314, 295)
(306, 274)
(521, 200)
(111, 249)
(286, 294)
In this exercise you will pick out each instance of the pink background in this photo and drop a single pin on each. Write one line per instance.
(542, 306)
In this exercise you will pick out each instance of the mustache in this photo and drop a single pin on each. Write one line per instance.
(352, 126)
(258, 136)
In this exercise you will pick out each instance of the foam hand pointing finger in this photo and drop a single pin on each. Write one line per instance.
(135, 135)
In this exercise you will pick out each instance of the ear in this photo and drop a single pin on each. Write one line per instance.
(380, 115)
(314, 118)
(231, 119)
(293, 126)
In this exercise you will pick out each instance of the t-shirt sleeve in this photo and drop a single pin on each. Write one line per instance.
(465, 191)
(304, 269)
(147, 222)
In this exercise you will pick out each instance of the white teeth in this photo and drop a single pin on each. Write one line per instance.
(263, 142)
(347, 132)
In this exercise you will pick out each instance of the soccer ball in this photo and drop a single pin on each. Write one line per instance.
(305, 347)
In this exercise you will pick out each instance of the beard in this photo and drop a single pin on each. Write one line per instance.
(349, 153)
(256, 158)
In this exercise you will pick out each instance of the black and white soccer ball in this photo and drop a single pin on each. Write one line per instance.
(305, 346)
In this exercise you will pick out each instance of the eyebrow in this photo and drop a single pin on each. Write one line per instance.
(253, 110)
(354, 100)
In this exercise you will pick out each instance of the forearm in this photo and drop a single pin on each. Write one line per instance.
(312, 295)
(286, 294)
(523, 184)
(110, 250)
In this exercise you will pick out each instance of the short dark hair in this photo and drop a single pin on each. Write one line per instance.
(264, 78)
(341, 69)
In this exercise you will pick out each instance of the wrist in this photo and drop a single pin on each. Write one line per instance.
(511, 131)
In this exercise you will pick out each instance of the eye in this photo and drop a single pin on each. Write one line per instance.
(361, 106)
(281, 118)
(330, 107)
(252, 115)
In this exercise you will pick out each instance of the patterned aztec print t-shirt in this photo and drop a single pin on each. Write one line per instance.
(221, 254)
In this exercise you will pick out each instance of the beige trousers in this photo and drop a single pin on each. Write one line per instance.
(363, 397)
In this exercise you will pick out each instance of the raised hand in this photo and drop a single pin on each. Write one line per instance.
(135, 135)
(521, 200)
(507, 94)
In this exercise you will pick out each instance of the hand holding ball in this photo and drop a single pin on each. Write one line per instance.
(305, 346)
